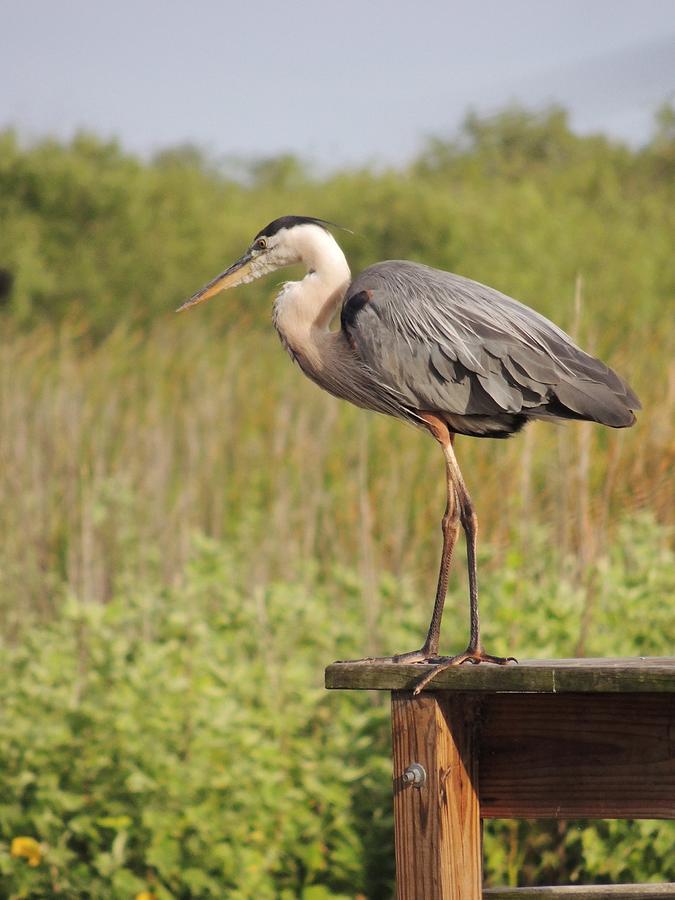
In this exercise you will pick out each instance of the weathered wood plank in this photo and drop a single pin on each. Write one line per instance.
(577, 755)
(437, 824)
(592, 892)
(552, 676)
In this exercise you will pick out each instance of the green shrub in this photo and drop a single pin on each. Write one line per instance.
(180, 741)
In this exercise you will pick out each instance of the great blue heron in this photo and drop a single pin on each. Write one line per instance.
(435, 349)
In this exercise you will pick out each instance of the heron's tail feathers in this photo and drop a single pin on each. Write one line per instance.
(609, 402)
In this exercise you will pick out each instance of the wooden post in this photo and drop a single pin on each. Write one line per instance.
(437, 823)
(564, 738)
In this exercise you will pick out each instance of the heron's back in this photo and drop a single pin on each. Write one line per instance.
(447, 344)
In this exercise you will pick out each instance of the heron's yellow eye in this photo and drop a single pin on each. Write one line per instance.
(261, 244)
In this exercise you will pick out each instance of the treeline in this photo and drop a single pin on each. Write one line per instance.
(518, 201)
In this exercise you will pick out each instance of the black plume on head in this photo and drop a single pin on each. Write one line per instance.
(291, 222)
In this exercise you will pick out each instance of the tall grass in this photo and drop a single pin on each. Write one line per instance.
(112, 456)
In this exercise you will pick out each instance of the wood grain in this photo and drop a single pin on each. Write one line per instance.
(548, 738)
(578, 755)
(592, 892)
(437, 825)
(548, 676)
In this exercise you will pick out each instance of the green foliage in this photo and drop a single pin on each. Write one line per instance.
(165, 740)
(180, 741)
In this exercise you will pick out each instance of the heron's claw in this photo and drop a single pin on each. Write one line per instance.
(413, 656)
(473, 655)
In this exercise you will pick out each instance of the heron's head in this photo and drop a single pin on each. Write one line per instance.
(281, 243)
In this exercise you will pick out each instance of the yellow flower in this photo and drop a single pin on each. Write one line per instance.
(145, 895)
(27, 847)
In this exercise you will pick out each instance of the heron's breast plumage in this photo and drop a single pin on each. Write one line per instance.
(325, 356)
(293, 323)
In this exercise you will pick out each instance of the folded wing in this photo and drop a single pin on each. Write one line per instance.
(451, 345)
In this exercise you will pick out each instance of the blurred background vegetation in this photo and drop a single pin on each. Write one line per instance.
(191, 531)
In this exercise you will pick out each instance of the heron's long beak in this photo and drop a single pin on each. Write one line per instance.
(229, 278)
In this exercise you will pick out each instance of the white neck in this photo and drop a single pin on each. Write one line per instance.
(303, 307)
(328, 275)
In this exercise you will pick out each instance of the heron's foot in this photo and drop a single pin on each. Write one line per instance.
(413, 656)
(473, 655)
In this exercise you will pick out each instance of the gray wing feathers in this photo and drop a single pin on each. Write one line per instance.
(451, 344)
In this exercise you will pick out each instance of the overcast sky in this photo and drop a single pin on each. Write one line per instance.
(344, 82)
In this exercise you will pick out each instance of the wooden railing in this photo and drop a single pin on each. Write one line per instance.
(547, 738)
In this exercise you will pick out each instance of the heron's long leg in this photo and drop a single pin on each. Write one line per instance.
(474, 653)
(469, 520)
(458, 510)
(450, 528)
